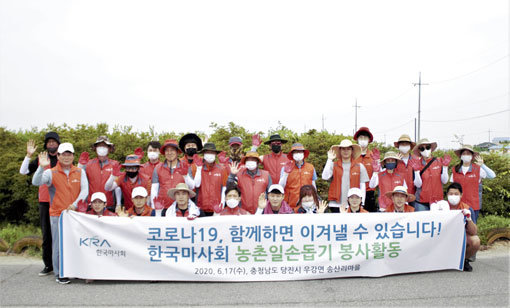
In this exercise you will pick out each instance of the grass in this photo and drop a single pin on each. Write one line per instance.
(489, 222)
(11, 233)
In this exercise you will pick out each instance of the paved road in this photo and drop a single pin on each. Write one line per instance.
(487, 285)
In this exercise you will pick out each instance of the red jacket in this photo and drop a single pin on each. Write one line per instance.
(213, 179)
(367, 162)
(407, 172)
(127, 186)
(234, 211)
(273, 163)
(469, 183)
(251, 188)
(388, 181)
(147, 169)
(167, 180)
(297, 178)
(432, 188)
(98, 176)
(335, 188)
(361, 210)
(105, 213)
(65, 190)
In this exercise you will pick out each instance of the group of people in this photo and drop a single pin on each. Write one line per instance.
(196, 179)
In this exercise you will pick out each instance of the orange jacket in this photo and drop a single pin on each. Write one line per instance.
(391, 208)
(147, 211)
(251, 188)
(213, 179)
(297, 178)
(367, 162)
(65, 189)
(98, 176)
(469, 183)
(335, 188)
(273, 163)
(388, 181)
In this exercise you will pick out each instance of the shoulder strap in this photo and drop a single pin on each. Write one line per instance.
(427, 166)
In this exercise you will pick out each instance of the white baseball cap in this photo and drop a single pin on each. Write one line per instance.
(65, 147)
(354, 191)
(139, 191)
(98, 195)
(277, 187)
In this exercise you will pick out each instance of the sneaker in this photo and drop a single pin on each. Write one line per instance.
(467, 266)
(45, 271)
(63, 280)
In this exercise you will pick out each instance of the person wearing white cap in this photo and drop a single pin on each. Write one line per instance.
(98, 205)
(140, 207)
(183, 206)
(354, 196)
(357, 175)
(274, 204)
(67, 185)
(399, 200)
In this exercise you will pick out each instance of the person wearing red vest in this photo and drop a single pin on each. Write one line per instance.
(183, 206)
(400, 199)
(67, 185)
(296, 173)
(210, 181)
(99, 170)
(190, 144)
(51, 143)
(404, 146)
(232, 201)
(139, 197)
(169, 173)
(430, 173)
(386, 179)
(147, 169)
(128, 180)
(356, 175)
(469, 176)
(98, 205)
(251, 180)
(273, 162)
(364, 137)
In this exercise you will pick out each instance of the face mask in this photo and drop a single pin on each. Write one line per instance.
(391, 166)
(52, 150)
(153, 155)
(132, 174)
(363, 143)
(404, 148)
(210, 158)
(453, 199)
(426, 153)
(298, 156)
(308, 204)
(232, 203)
(466, 158)
(102, 151)
(276, 148)
(251, 165)
(191, 151)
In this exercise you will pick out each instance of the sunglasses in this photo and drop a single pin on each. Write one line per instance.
(425, 147)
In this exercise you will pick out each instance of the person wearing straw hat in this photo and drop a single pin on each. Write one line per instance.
(100, 168)
(210, 181)
(128, 180)
(296, 173)
(469, 174)
(183, 206)
(364, 137)
(169, 173)
(274, 161)
(275, 203)
(98, 205)
(341, 182)
(386, 179)
(354, 196)
(430, 173)
(251, 180)
(139, 197)
(190, 144)
(233, 202)
(400, 199)
(404, 146)
(147, 169)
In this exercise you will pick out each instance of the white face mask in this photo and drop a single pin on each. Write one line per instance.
(210, 158)
(308, 204)
(404, 148)
(153, 155)
(466, 158)
(232, 203)
(298, 156)
(453, 199)
(426, 153)
(251, 165)
(102, 151)
(363, 143)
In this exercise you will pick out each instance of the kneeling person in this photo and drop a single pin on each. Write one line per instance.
(140, 207)
(182, 206)
(399, 199)
(98, 205)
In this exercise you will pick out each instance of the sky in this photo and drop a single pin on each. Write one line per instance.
(180, 65)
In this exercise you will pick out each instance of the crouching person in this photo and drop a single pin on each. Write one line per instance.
(98, 205)
(354, 197)
(182, 206)
(140, 207)
(233, 202)
(275, 204)
(399, 200)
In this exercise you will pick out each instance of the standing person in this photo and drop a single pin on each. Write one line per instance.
(400, 200)
(309, 202)
(274, 161)
(235, 153)
(469, 176)
(51, 143)
(275, 203)
(211, 181)
(147, 169)
(386, 179)
(357, 176)
(67, 185)
(183, 206)
(251, 180)
(233, 202)
(296, 173)
(364, 137)
(99, 170)
(190, 144)
(430, 173)
(404, 146)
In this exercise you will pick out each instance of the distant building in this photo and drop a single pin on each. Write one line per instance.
(484, 146)
(498, 140)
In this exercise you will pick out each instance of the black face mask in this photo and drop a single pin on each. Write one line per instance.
(52, 150)
(191, 151)
(276, 148)
(131, 174)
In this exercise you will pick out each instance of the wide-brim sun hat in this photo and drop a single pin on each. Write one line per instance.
(275, 137)
(466, 147)
(297, 147)
(181, 187)
(364, 130)
(416, 151)
(388, 155)
(401, 190)
(169, 143)
(132, 160)
(209, 146)
(404, 138)
(346, 143)
(190, 138)
(106, 140)
(251, 155)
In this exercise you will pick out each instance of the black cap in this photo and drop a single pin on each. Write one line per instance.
(51, 135)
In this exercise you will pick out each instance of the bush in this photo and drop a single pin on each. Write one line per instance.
(12, 233)
(487, 223)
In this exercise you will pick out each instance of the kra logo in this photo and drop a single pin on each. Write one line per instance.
(93, 242)
(75, 181)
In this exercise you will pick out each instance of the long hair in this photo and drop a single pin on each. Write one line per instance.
(308, 190)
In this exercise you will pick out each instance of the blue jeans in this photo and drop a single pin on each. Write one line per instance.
(55, 225)
(474, 214)
(418, 207)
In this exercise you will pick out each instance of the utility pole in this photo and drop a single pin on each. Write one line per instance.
(489, 135)
(323, 122)
(356, 116)
(419, 102)
(415, 130)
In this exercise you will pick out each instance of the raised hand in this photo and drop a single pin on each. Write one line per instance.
(218, 208)
(116, 170)
(139, 152)
(323, 205)
(331, 154)
(255, 140)
(289, 166)
(234, 168)
(446, 160)
(160, 203)
(82, 206)
(44, 160)
(415, 164)
(121, 212)
(222, 157)
(84, 158)
(183, 167)
(197, 160)
(376, 154)
(376, 165)
(478, 159)
(262, 201)
(31, 147)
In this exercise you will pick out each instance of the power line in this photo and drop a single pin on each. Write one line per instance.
(471, 118)
(396, 127)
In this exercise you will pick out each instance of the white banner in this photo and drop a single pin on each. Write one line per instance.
(260, 247)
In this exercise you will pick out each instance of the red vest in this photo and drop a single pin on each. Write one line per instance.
(98, 176)
(66, 189)
(469, 183)
(367, 162)
(387, 182)
(213, 180)
(193, 166)
(127, 187)
(273, 163)
(297, 178)
(167, 179)
(335, 188)
(407, 172)
(147, 170)
(432, 188)
(105, 213)
(251, 188)
(234, 211)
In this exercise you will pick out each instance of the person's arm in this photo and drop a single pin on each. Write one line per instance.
(444, 175)
(471, 228)
(417, 179)
(42, 177)
(223, 189)
(283, 178)
(118, 196)
(24, 166)
(111, 183)
(154, 192)
(374, 181)
(189, 181)
(486, 172)
(314, 178)
(363, 179)
(84, 189)
(198, 177)
(327, 173)
(451, 178)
